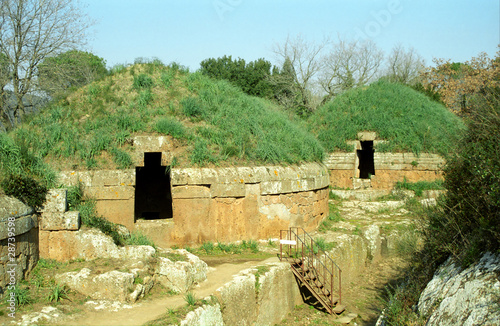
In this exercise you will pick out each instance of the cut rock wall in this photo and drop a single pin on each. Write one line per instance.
(224, 204)
(251, 300)
(389, 168)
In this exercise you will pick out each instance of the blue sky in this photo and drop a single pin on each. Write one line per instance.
(189, 31)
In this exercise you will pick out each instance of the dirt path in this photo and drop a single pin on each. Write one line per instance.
(150, 309)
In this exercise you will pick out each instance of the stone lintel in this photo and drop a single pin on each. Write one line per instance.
(190, 192)
(228, 190)
(111, 193)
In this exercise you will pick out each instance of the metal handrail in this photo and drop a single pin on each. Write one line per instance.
(324, 274)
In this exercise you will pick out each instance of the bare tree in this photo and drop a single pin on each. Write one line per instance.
(404, 66)
(305, 59)
(348, 65)
(31, 30)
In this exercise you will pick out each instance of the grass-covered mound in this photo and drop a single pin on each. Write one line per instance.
(408, 120)
(210, 122)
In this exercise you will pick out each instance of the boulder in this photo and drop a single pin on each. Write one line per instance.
(181, 276)
(113, 285)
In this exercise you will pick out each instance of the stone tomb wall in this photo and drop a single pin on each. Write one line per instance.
(389, 168)
(224, 204)
(18, 241)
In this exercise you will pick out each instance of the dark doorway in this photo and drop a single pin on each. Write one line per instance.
(366, 164)
(153, 196)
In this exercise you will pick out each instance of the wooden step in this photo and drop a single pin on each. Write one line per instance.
(310, 278)
(339, 309)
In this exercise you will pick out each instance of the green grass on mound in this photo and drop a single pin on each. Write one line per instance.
(210, 122)
(408, 120)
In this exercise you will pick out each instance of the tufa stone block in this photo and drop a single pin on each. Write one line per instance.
(190, 192)
(228, 190)
(55, 201)
(69, 221)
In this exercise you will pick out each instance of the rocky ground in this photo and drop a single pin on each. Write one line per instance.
(134, 301)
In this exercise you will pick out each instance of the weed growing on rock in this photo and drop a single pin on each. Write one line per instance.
(190, 299)
(261, 270)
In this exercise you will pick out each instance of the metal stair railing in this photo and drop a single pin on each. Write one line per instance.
(312, 265)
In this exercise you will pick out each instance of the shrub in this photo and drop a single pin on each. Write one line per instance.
(468, 222)
(26, 189)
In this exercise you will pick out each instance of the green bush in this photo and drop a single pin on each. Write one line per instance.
(468, 222)
(26, 189)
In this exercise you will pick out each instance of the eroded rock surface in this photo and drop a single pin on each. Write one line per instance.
(206, 315)
(181, 276)
(463, 297)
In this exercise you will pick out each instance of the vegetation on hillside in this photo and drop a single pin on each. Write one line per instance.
(211, 122)
(466, 222)
(407, 120)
